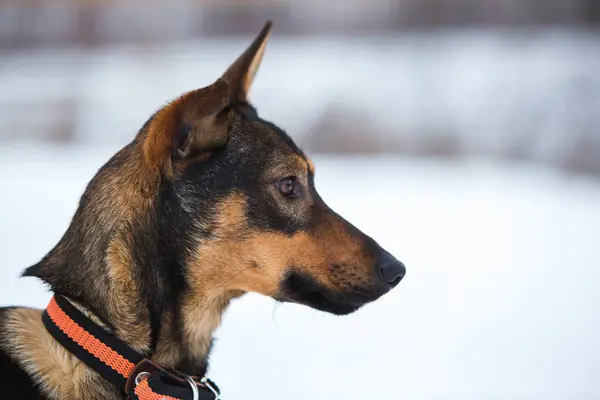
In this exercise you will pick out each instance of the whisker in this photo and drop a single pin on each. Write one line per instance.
(230, 278)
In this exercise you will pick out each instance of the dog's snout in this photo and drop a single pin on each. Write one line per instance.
(391, 270)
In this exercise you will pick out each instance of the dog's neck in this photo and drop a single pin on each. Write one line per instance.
(178, 331)
(49, 363)
(121, 267)
(185, 337)
(185, 343)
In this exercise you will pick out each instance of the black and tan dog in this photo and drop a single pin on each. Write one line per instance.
(208, 202)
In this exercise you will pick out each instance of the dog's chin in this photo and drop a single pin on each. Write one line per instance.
(305, 290)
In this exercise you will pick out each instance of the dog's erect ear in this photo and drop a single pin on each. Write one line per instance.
(189, 127)
(241, 73)
(195, 124)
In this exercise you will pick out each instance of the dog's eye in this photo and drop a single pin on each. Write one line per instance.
(288, 186)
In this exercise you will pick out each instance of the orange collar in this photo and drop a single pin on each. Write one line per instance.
(131, 372)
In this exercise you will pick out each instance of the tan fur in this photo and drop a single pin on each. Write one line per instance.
(169, 350)
(311, 166)
(127, 310)
(201, 317)
(199, 110)
(60, 374)
(126, 202)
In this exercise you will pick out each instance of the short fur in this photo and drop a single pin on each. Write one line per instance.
(182, 220)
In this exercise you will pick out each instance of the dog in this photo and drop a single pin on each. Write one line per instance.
(208, 202)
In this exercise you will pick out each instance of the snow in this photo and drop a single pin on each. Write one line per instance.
(500, 300)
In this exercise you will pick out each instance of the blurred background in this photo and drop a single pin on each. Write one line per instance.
(463, 135)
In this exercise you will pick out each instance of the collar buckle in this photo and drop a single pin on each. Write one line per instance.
(114, 360)
(206, 382)
(195, 393)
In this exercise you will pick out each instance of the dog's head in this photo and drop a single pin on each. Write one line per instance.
(213, 199)
(248, 207)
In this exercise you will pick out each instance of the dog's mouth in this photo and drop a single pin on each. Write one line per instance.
(304, 289)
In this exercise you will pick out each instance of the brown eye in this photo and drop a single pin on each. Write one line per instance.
(288, 186)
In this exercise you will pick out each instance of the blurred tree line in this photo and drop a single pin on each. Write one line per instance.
(514, 92)
(90, 22)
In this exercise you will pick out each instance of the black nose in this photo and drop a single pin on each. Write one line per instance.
(391, 270)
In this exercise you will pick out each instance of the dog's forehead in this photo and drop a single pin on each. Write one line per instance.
(274, 144)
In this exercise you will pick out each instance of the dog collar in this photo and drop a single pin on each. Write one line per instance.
(132, 373)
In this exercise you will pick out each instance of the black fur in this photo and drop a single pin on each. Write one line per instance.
(306, 290)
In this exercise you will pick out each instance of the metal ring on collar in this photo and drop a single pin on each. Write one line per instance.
(206, 383)
(195, 393)
(140, 377)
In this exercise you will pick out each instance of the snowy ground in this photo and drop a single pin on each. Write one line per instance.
(501, 298)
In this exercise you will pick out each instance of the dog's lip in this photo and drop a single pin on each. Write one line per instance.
(329, 298)
(358, 299)
(305, 290)
(335, 307)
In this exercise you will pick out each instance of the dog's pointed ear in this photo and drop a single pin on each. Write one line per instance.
(241, 73)
(188, 128)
